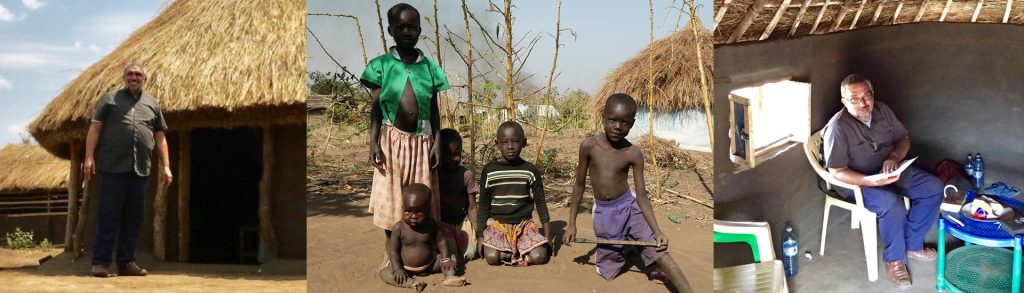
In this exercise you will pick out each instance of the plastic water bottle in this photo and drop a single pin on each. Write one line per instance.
(979, 172)
(969, 166)
(789, 252)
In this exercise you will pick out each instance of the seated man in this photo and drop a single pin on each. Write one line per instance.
(866, 139)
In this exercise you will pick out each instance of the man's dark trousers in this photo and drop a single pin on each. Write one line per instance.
(121, 198)
(904, 230)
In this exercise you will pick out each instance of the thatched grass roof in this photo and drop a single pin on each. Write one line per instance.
(676, 76)
(210, 64)
(991, 11)
(29, 168)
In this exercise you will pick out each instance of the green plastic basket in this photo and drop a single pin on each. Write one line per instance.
(976, 268)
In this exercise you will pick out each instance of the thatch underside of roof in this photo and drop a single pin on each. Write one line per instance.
(677, 83)
(210, 63)
(29, 168)
(847, 15)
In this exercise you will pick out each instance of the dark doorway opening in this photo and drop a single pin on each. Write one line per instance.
(224, 195)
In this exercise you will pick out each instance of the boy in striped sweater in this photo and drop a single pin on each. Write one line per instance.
(510, 235)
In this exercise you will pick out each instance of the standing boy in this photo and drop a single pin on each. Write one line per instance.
(618, 213)
(506, 206)
(404, 84)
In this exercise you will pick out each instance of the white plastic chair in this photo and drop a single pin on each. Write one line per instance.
(859, 217)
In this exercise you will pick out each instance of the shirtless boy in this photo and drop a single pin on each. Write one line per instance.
(416, 247)
(618, 213)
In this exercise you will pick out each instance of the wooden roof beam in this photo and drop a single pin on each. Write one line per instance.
(920, 10)
(878, 11)
(857, 15)
(775, 20)
(974, 18)
(799, 16)
(1006, 15)
(741, 28)
(842, 14)
(818, 19)
(945, 10)
(721, 12)
(896, 15)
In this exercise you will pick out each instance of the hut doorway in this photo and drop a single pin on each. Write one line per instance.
(224, 192)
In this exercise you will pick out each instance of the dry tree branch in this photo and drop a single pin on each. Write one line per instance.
(554, 64)
(510, 83)
(359, 29)
(380, 25)
(700, 66)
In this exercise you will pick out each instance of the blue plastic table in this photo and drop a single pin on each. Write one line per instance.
(975, 233)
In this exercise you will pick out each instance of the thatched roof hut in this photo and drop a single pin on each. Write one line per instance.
(678, 100)
(230, 78)
(676, 76)
(210, 63)
(753, 20)
(30, 169)
(32, 191)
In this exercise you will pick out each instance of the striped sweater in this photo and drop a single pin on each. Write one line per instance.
(505, 194)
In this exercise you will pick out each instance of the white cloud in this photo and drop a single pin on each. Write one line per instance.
(21, 60)
(6, 15)
(33, 4)
(5, 84)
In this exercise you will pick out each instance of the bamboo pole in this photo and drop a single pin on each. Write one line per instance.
(184, 193)
(650, 101)
(265, 213)
(380, 25)
(445, 119)
(469, 85)
(551, 77)
(703, 77)
(510, 102)
(74, 190)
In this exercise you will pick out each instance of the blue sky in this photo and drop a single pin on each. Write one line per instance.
(608, 33)
(44, 44)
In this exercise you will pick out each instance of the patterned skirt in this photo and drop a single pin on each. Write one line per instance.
(517, 240)
(406, 161)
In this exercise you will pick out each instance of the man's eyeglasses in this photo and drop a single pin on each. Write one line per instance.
(861, 99)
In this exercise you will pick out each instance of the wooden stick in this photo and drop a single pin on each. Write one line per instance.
(741, 28)
(775, 20)
(896, 15)
(83, 217)
(160, 221)
(920, 10)
(799, 17)
(878, 11)
(977, 10)
(690, 198)
(842, 14)
(74, 189)
(184, 189)
(265, 211)
(945, 9)
(615, 242)
(721, 12)
(1006, 15)
(856, 16)
(817, 20)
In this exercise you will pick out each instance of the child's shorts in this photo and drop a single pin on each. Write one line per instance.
(621, 219)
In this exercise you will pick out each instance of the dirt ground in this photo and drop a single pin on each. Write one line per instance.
(20, 271)
(345, 247)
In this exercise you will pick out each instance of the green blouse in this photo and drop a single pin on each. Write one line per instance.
(388, 73)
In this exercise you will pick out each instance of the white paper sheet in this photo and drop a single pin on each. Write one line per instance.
(903, 166)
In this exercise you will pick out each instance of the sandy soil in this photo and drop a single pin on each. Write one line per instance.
(345, 248)
(21, 272)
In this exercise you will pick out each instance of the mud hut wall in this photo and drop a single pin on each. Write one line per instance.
(288, 190)
(48, 227)
(954, 86)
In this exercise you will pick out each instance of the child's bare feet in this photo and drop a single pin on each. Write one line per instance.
(420, 285)
(453, 281)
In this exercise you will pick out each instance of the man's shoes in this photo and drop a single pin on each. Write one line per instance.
(898, 275)
(131, 269)
(925, 254)
(100, 271)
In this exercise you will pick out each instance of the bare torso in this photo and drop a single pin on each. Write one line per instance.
(609, 167)
(408, 110)
(418, 247)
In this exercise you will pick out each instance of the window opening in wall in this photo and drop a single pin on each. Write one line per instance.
(767, 119)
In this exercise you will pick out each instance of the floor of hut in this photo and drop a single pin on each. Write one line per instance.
(844, 260)
(21, 272)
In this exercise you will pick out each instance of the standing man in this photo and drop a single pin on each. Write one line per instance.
(126, 126)
(866, 139)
